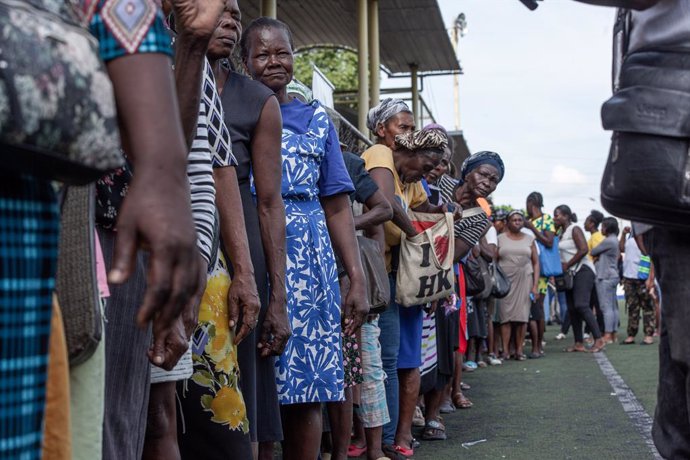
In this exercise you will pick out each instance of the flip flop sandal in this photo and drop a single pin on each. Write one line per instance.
(434, 431)
(647, 343)
(447, 407)
(535, 356)
(575, 350)
(521, 358)
(390, 453)
(404, 451)
(356, 451)
(464, 386)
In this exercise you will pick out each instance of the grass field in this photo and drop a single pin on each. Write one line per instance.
(558, 407)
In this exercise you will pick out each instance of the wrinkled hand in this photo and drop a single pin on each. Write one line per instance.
(169, 344)
(275, 330)
(355, 306)
(243, 296)
(190, 315)
(198, 17)
(454, 209)
(158, 219)
(431, 307)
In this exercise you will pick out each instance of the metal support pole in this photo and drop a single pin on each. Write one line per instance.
(363, 64)
(456, 81)
(374, 54)
(269, 8)
(415, 95)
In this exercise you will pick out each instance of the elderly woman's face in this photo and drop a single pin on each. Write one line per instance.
(227, 33)
(417, 165)
(270, 57)
(515, 223)
(442, 168)
(400, 123)
(482, 181)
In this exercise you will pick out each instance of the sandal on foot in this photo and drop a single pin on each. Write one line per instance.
(464, 386)
(575, 350)
(535, 356)
(520, 357)
(647, 341)
(356, 451)
(404, 451)
(434, 431)
(461, 401)
(447, 407)
(390, 452)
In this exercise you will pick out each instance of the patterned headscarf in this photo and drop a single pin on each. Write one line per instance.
(422, 139)
(384, 111)
(482, 158)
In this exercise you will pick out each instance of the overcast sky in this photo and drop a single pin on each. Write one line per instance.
(532, 89)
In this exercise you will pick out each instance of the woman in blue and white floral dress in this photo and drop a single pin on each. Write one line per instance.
(315, 189)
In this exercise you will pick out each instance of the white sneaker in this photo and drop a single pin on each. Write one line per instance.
(560, 336)
(495, 361)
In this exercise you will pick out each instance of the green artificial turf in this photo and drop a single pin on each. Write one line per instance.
(557, 407)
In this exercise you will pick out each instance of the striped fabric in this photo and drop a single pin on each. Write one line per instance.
(469, 229)
(202, 187)
(28, 251)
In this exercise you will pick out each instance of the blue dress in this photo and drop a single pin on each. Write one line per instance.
(311, 368)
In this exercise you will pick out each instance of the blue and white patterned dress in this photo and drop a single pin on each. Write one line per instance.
(311, 368)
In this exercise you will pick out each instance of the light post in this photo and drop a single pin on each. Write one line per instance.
(459, 30)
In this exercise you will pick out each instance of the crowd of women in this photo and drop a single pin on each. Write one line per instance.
(256, 329)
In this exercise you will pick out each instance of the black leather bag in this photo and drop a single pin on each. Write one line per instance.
(474, 281)
(647, 176)
(488, 281)
(500, 282)
(565, 281)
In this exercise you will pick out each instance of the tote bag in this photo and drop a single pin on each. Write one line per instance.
(549, 258)
(425, 272)
(378, 286)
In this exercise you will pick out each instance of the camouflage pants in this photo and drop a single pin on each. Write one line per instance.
(638, 302)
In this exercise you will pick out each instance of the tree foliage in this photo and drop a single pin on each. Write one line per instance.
(339, 66)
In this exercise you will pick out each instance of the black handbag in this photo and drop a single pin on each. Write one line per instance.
(378, 286)
(647, 176)
(57, 109)
(500, 282)
(565, 281)
(486, 275)
(474, 281)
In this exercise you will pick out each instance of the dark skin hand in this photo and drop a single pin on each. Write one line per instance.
(379, 211)
(341, 228)
(194, 24)
(267, 165)
(546, 237)
(156, 214)
(242, 295)
(488, 251)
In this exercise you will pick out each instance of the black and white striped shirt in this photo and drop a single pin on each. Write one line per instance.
(474, 221)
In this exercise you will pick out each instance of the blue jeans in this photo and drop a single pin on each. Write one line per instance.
(389, 323)
(608, 301)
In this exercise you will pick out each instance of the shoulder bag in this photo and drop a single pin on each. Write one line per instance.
(500, 282)
(549, 258)
(564, 281)
(647, 175)
(76, 283)
(57, 109)
(474, 279)
(425, 272)
(378, 286)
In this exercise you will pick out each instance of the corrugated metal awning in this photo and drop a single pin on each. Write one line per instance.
(411, 31)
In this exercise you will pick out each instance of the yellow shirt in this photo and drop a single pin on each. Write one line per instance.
(594, 240)
(410, 195)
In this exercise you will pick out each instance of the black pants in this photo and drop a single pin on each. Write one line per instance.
(670, 252)
(579, 305)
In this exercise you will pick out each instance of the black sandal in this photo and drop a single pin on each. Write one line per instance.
(434, 431)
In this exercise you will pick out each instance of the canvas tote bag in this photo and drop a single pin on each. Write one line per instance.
(425, 272)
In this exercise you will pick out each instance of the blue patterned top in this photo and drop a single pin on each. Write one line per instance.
(307, 128)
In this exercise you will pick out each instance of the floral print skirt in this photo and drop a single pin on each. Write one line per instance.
(214, 417)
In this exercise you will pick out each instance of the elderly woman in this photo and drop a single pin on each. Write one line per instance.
(518, 257)
(255, 133)
(479, 176)
(315, 188)
(398, 172)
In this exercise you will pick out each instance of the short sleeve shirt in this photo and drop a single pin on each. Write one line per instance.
(333, 177)
(365, 187)
(544, 223)
(408, 195)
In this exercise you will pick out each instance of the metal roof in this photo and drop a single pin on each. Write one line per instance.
(411, 31)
